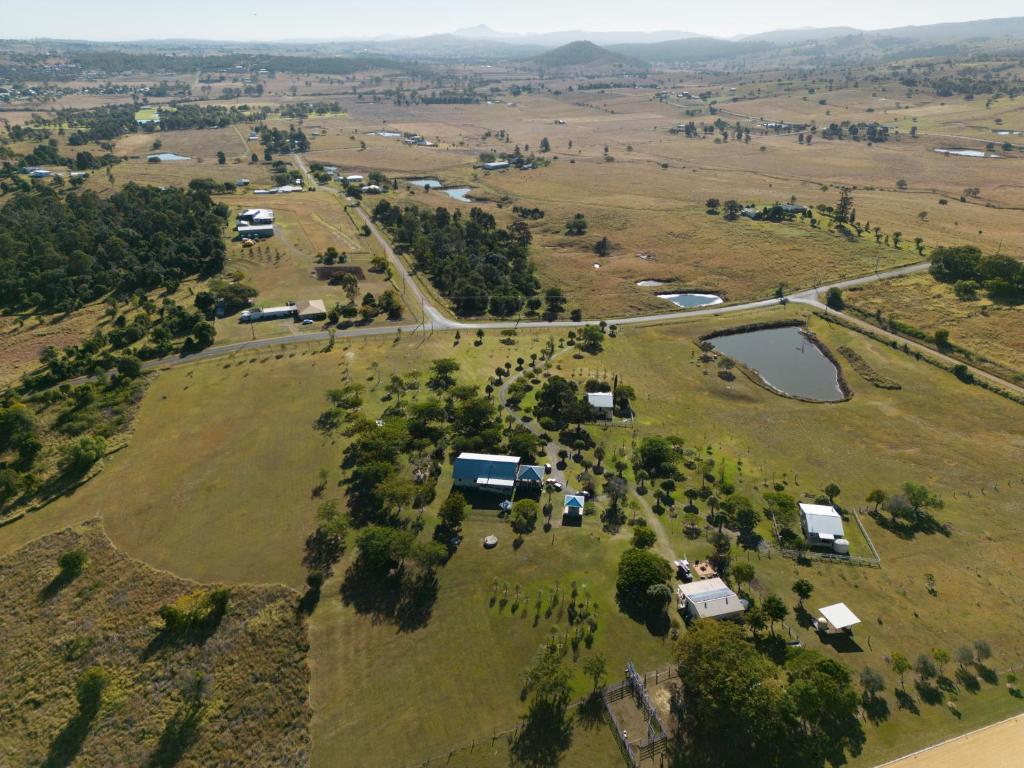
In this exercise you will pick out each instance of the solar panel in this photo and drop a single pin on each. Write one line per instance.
(715, 594)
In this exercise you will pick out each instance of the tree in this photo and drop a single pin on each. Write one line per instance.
(639, 570)
(577, 225)
(920, 500)
(595, 667)
(545, 145)
(72, 563)
(743, 572)
(442, 373)
(964, 655)
(774, 609)
(221, 158)
(832, 490)
(644, 537)
(79, 455)
(732, 210)
(982, 650)
(876, 497)
(802, 588)
(924, 666)
(523, 517)
(871, 682)
(547, 728)
(712, 204)
(941, 657)
(834, 299)
(602, 247)
(900, 665)
(591, 339)
(844, 208)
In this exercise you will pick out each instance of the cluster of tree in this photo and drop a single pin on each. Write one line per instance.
(641, 586)
(736, 707)
(969, 271)
(276, 141)
(560, 402)
(872, 132)
(224, 297)
(58, 253)
(470, 260)
(45, 154)
(303, 109)
(911, 509)
(527, 213)
(114, 62)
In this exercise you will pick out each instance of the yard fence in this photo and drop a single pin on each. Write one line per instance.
(831, 557)
(635, 685)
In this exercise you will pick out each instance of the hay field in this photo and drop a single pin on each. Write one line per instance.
(254, 708)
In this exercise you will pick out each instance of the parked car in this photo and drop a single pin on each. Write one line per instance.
(683, 570)
(307, 321)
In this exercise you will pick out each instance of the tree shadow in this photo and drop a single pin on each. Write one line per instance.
(57, 583)
(68, 743)
(399, 598)
(876, 708)
(967, 680)
(772, 646)
(178, 735)
(905, 701)
(590, 713)
(803, 617)
(928, 693)
(986, 673)
(840, 642)
(545, 736)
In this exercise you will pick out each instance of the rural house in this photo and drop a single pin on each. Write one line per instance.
(530, 475)
(573, 505)
(823, 527)
(602, 403)
(486, 472)
(709, 599)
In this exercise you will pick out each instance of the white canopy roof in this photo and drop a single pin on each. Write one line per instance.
(839, 616)
(601, 399)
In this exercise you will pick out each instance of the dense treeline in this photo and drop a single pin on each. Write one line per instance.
(120, 61)
(470, 260)
(108, 122)
(57, 253)
(964, 266)
(279, 142)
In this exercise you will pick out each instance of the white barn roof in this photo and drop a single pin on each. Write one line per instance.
(822, 519)
(839, 616)
(601, 399)
(488, 457)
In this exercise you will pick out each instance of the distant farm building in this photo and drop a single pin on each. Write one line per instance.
(486, 472)
(355, 178)
(709, 599)
(497, 165)
(823, 527)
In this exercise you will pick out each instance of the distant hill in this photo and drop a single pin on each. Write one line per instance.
(806, 34)
(562, 37)
(690, 49)
(582, 53)
(959, 30)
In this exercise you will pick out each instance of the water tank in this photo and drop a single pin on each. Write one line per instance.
(841, 547)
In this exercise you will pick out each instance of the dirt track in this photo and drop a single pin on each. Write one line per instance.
(997, 746)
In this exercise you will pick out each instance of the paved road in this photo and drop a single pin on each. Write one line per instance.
(438, 320)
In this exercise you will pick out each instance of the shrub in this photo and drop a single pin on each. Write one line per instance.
(193, 611)
(72, 562)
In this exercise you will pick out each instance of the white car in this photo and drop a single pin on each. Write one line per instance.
(307, 321)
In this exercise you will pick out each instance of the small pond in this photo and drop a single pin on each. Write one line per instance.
(459, 193)
(167, 156)
(424, 183)
(964, 152)
(386, 134)
(690, 300)
(786, 360)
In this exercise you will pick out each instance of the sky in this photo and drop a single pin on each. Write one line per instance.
(261, 20)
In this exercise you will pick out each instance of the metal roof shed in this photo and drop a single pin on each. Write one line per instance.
(838, 616)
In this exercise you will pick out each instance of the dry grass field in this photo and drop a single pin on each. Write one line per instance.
(994, 333)
(253, 708)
